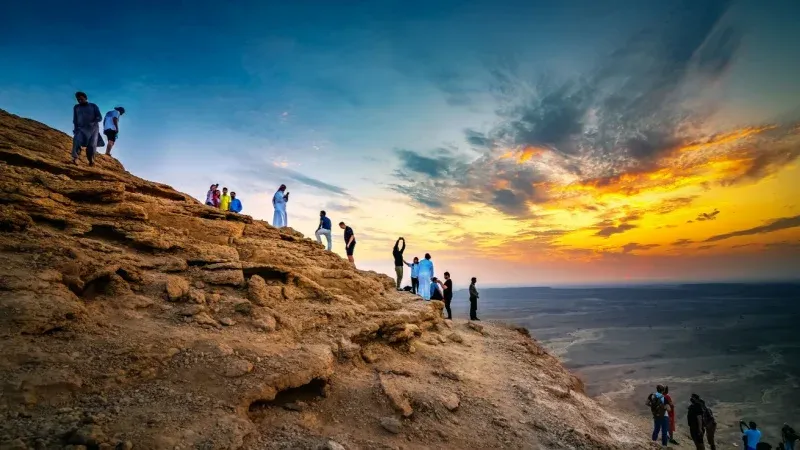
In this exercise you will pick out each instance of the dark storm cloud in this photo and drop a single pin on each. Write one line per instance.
(610, 231)
(707, 216)
(617, 119)
(440, 163)
(477, 139)
(775, 225)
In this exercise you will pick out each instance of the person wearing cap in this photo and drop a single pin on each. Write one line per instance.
(111, 126)
(86, 120)
(279, 219)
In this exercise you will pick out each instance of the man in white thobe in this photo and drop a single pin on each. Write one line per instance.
(279, 219)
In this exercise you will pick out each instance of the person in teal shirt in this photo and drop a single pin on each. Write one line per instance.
(751, 435)
(235, 204)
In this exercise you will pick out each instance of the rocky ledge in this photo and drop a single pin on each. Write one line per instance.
(132, 316)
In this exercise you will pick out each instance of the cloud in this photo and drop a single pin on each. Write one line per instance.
(628, 125)
(682, 242)
(707, 216)
(313, 182)
(633, 246)
(610, 231)
(439, 164)
(774, 225)
(339, 208)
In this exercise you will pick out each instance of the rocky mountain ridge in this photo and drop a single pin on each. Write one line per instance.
(133, 316)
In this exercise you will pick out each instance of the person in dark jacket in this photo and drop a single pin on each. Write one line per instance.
(473, 300)
(86, 120)
(397, 252)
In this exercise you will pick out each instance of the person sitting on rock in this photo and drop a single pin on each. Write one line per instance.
(324, 229)
(86, 120)
(236, 204)
(225, 200)
(437, 289)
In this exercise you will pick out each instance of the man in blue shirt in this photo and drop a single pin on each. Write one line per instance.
(324, 229)
(751, 435)
(86, 120)
(235, 205)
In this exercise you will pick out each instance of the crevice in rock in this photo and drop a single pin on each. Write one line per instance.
(267, 273)
(51, 222)
(306, 393)
(97, 287)
(106, 233)
(155, 192)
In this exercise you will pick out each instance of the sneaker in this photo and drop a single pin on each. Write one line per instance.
(75, 161)
(673, 441)
(91, 163)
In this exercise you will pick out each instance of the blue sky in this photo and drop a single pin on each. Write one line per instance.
(366, 108)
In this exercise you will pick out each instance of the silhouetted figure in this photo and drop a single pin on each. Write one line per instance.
(473, 300)
(397, 253)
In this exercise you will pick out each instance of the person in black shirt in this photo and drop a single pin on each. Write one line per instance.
(349, 241)
(397, 252)
(448, 294)
(695, 417)
(473, 300)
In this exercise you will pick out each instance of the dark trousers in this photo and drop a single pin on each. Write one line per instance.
(710, 430)
(414, 285)
(447, 307)
(661, 425)
(473, 308)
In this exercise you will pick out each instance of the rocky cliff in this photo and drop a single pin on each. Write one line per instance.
(132, 316)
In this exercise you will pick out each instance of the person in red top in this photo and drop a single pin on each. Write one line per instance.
(215, 198)
(668, 399)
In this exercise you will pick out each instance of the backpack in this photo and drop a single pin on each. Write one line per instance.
(657, 406)
(708, 416)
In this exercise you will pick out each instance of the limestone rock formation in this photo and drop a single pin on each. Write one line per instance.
(133, 316)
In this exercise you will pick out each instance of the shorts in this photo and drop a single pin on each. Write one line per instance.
(350, 249)
(111, 134)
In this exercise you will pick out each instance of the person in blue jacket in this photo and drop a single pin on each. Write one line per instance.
(414, 274)
(236, 204)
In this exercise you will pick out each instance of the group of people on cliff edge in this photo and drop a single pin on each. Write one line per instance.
(223, 200)
(425, 283)
(86, 121)
(703, 424)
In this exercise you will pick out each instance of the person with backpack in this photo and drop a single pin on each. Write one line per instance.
(701, 422)
(789, 438)
(660, 410)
